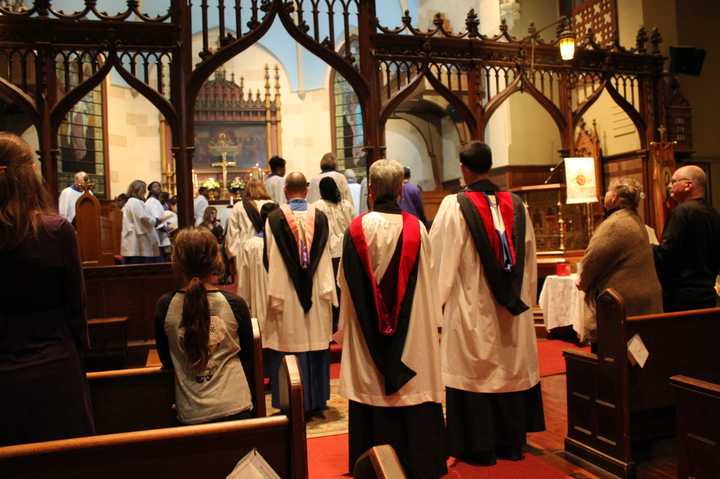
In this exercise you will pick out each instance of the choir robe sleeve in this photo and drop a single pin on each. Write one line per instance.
(278, 284)
(325, 277)
(232, 235)
(530, 274)
(447, 235)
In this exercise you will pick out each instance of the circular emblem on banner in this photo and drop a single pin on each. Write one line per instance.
(580, 179)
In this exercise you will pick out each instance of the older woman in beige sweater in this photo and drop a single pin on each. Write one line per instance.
(619, 255)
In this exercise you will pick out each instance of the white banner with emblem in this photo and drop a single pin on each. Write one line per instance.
(580, 179)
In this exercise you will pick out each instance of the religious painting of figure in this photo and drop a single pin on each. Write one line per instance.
(81, 135)
(243, 144)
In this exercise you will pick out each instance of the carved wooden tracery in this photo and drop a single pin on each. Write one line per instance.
(474, 73)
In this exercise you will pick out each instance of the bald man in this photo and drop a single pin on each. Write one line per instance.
(688, 260)
(301, 293)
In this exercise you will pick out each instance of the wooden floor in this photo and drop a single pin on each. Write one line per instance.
(548, 445)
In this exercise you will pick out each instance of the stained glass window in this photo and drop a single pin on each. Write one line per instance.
(348, 134)
(81, 136)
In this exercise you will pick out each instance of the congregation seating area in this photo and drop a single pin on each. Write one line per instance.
(208, 450)
(615, 408)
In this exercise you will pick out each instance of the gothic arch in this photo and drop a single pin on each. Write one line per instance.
(522, 85)
(282, 10)
(625, 105)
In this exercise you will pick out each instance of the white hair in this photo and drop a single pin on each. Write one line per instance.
(386, 178)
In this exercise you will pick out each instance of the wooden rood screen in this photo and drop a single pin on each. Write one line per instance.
(474, 72)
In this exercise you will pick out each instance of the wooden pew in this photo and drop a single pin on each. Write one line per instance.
(613, 405)
(108, 344)
(698, 426)
(379, 462)
(137, 399)
(131, 291)
(205, 451)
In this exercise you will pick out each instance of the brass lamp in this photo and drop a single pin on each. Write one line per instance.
(566, 42)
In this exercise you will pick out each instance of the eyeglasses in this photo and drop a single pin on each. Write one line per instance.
(673, 180)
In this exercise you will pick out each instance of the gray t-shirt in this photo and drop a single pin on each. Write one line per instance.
(221, 389)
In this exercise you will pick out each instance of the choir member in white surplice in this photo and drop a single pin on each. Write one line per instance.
(275, 181)
(301, 293)
(484, 261)
(245, 221)
(199, 204)
(156, 208)
(70, 195)
(251, 272)
(389, 318)
(139, 242)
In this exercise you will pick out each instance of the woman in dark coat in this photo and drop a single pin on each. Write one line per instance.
(43, 323)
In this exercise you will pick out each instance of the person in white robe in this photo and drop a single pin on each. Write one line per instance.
(363, 207)
(139, 242)
(328, 167)
(275, 181)
(251, 272)
(390, 369)
(156, 208)
(355, 189)
(70, 195)
(486, 278)
(247, 225)
(339, 213)
(199, 204)
(301, 293)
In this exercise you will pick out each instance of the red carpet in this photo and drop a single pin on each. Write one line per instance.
(328, 456)
(550, 355)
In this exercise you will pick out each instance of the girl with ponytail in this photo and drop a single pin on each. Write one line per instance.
(202, 333)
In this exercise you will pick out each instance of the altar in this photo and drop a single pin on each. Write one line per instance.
(236, 132)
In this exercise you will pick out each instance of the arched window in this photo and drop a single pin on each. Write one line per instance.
(346, 118)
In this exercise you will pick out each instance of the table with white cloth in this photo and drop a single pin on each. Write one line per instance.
(564, 305)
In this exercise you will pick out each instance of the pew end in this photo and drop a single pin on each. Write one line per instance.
(698, 426)
(613, 406)
(207, 450)
(255, 375)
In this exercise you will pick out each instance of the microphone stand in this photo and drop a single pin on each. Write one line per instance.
(553, 170)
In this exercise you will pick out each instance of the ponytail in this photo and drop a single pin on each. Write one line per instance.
(196, 323)
(196, 255)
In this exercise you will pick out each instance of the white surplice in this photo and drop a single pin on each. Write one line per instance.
(339, 216)
(252, 278)
(485, 349)
(156, 209)
(313, 194)
(275, 186)
(138, 230)
(360, 380)
(240, 228)
(287, 327)
(200, 204)
(67, 201)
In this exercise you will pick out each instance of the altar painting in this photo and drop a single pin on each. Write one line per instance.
(245, 145)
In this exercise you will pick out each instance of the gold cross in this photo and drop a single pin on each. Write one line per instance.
(224, 164)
